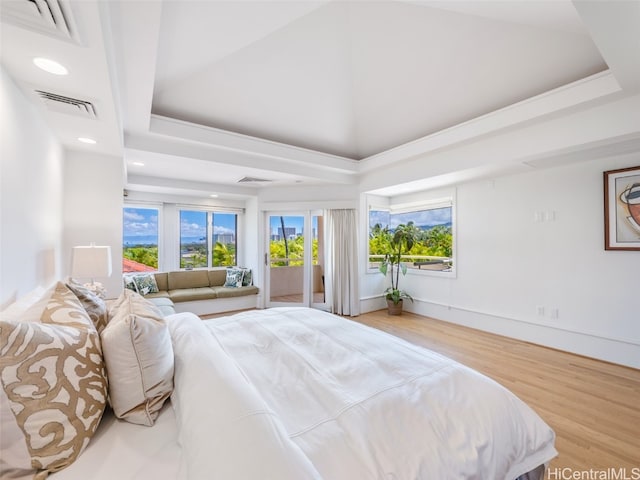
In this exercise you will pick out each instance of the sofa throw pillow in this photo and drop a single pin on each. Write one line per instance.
(95, 306)
(247, 277)
(145, 283)
(129, 284)
(234, 277)
(139, 358)
(53, 386)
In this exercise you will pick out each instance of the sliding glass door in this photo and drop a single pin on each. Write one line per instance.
(295, 259)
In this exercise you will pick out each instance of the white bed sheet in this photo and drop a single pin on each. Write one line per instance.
(124, 451)
(264, 411)
(296, 394)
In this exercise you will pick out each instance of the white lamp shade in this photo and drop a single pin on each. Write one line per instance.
(91, 262)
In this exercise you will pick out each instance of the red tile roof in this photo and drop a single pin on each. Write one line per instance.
(133, 266)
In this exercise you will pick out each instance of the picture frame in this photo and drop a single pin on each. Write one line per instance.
(622, 209)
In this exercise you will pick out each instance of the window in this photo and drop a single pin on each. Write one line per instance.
(194, 251)
(207, 239)
(140, 239)
(433, 251)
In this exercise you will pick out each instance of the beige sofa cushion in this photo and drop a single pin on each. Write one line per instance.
(188, 279)
(139, 359)
(228, 292)
(160, 294)
(217, 277)
(162, 280)
(53, 387)
(164, 304)
(191, 294)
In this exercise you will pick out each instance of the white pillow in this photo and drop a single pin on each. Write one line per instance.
(139, 358)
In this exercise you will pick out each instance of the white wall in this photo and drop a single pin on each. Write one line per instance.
(93, 209)
(31, 186)
(509, 264)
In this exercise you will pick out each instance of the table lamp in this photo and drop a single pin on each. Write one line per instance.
(91, 262)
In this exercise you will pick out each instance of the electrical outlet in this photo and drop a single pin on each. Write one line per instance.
(554, 313)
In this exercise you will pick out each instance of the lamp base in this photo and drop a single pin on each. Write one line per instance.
(97, 288)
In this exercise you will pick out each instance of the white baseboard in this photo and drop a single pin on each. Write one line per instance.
(612, 350)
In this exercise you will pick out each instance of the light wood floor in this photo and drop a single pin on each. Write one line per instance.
(593, 406)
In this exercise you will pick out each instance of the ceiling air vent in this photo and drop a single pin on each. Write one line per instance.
(51, 17)
(253, 180)
(72, 106)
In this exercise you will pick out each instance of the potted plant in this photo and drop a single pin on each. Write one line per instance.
(400, 242)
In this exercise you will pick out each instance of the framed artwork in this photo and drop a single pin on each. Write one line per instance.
(622, 209)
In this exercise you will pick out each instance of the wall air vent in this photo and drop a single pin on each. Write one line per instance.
(69, 105)
(50, 17)
(253, 180)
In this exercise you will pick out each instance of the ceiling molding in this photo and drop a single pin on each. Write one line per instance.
(577, 93)
(223, 139)
(219, 156)
(562, 137)
(186, 187)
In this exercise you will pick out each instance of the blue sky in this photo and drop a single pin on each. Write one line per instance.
(140, 222)
(194, 223)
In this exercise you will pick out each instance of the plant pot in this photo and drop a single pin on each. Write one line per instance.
(394, 308)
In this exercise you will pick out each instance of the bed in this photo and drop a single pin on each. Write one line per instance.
(296, 393)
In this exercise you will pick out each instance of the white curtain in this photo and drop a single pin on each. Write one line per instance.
(342, 262)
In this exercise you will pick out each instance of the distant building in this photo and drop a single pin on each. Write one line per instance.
(289, 231)
(224, 238)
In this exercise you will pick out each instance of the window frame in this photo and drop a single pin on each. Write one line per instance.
(158, 207)
(210, 213)
(427, 202)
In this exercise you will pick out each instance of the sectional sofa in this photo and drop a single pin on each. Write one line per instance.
(201, 292)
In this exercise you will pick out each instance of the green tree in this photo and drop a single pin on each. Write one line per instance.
(224, 255)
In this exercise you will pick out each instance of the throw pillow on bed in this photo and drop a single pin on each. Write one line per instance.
(53, 385)
(95, 306)
(139, 359)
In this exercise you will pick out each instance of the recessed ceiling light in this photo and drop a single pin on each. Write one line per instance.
(50, 66)
(214, 195)
(138, 164)
(90, 141)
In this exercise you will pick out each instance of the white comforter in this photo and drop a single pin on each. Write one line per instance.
(293, 393)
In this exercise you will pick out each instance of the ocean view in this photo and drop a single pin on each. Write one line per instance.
(131, 240)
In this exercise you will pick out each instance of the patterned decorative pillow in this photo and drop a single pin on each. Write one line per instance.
(54, 387)
(129, 284)
(139, 358)
(247, 277)
(93, 305)
(145, 283)
(234, 277)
